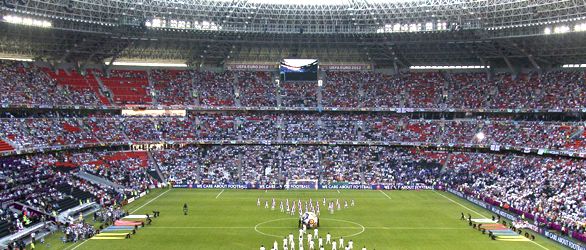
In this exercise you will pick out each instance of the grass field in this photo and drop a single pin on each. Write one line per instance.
(230, 219)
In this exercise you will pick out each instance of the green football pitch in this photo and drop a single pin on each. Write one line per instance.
(231, 219)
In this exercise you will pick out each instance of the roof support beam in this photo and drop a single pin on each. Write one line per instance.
(65, 55)
(535, 65)
(116, 54)
(529, 56)
(509, 64)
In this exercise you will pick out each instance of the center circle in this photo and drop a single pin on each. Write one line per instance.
(258, 226)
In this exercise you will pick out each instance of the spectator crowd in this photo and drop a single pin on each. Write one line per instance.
(27, 84)
(51, 130)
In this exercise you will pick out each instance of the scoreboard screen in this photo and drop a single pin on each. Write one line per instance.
(298, 70)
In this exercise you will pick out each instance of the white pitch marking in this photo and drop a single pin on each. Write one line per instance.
(153, 199)
(357, 227)
(386, 195)
(131, 213)
(459, 204)
(363, 228)
(219, 194)
(80, 244)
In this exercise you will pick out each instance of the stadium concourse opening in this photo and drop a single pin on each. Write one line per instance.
(368, 124)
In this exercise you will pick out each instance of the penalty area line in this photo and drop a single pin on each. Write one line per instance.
(219, 194)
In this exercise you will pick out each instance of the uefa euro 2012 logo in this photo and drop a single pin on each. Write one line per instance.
(310, 220)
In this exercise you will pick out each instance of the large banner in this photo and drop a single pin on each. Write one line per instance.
(323, 67)
(564, 241)
(345, 67)
(251, 67)
(213, 186)
(307, 186)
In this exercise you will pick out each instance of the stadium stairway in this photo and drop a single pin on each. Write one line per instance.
(104, 90)
(578, 134)
(98, 180)
(446, 163)
(155, 171)
(151, 84)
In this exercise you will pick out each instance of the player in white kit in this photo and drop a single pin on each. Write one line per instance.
(328, 238)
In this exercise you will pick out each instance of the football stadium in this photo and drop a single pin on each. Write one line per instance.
(302, 125)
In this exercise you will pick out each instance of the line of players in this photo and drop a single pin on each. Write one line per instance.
(289, 242)
(291, 207)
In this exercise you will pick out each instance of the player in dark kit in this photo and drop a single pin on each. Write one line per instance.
(148, 219)
(185, 209)
(462, 217)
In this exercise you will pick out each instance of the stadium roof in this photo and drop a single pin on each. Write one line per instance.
(404, 32)
(322, 2)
